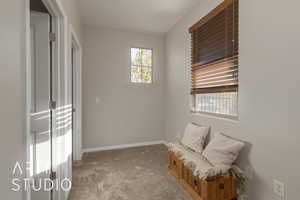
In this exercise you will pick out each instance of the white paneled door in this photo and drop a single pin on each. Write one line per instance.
(41, 114)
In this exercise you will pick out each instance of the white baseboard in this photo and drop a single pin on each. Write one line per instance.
(123, 146)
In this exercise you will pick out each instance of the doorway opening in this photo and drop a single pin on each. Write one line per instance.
(46, 63)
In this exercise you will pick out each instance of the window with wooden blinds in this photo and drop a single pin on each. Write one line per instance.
(215, 50)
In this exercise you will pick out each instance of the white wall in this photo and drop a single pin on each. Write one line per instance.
(72, 10)
(12, 101)
(268, 97)
(126, 113)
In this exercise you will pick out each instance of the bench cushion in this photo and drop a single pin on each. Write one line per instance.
(199, 164)
(194, 137)
(222, 151)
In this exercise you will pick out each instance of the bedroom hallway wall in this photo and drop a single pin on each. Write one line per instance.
(115, 111)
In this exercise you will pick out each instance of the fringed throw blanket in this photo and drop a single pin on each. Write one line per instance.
(203, 168)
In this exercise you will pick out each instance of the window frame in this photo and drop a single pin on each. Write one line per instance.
(141, 66)
(193, 96)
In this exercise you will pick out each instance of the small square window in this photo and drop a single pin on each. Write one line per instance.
(141, 65)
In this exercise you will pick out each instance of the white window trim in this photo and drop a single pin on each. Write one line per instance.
(215, 115)
(77, 140)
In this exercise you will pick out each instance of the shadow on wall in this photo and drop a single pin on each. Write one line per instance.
(254, 185)
(244, 163)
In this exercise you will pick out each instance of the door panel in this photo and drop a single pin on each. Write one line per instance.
(40, 112)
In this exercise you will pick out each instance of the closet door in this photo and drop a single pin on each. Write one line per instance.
(41, 142)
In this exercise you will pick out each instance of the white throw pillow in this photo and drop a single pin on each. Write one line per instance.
(194, 137)
(223, 150)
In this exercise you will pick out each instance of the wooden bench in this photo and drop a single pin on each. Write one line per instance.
(213, 188)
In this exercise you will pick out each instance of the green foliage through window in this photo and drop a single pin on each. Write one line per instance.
(141, 65)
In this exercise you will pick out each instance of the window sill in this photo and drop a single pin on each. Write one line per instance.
(215, 115)
(142, 85)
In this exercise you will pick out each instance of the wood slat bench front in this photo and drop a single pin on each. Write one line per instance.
(213, 188)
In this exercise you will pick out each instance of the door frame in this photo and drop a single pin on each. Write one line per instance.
(77, 129)
(59, 61)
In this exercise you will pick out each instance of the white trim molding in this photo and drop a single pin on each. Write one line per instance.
(122, 146)
(77, 140)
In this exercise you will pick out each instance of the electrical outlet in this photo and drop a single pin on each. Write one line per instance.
(279, 188)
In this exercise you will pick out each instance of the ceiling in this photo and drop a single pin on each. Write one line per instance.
(153, 16)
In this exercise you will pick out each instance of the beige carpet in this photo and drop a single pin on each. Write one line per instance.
(128, 174)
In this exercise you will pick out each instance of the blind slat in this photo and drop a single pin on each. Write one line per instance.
(224, 74)
(222, 62)
(229, 88)
(216, 83)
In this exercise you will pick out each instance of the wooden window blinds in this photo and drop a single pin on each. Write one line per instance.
(215, 50)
